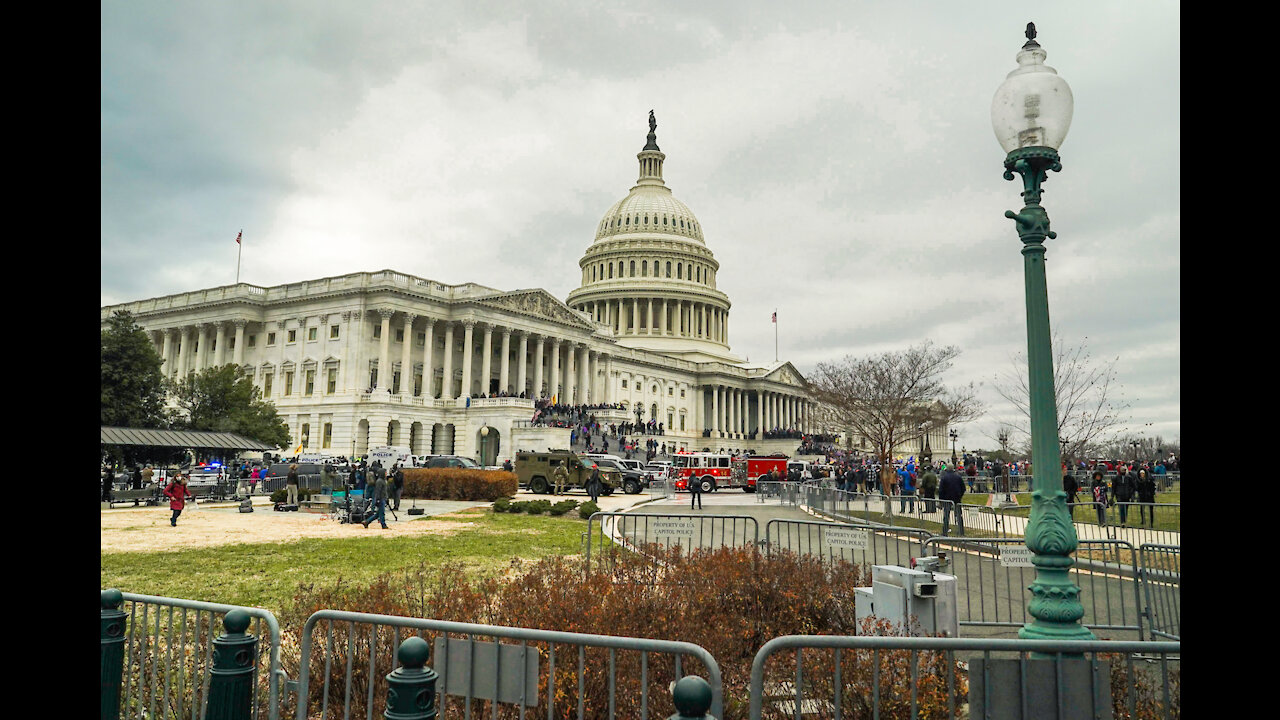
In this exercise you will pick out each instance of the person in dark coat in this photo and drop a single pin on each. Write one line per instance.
(951, 491)
(1070, 486)
(291, 484)
(379, 496)
(177, 492)
(929, 488)
(594, 483)
(397, 474)
(695, 493)
(1146, 488)
(1122, 491)
(106, 485)
(1098, 488)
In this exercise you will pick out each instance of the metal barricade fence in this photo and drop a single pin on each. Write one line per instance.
(168, 657)
(785, 493)
(991, 586)
(1161, 569)
(660, 488)
(634, 530)
(864, 546)
(901, 677)
(604, 676)
(1147, 523)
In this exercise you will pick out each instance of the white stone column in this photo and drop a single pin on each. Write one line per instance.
(760, 415)
(406, 357)
(594, 391)
(584, 369)
(522, 365)
(352, 356)
(428, 367)
(468, 351)
(608, 378)
(553, 384)
(726, 327)
(237, 355)
(635, 316)
(715, 411)
(166, 354)
(201, 347)
(219, 343)
(446, 382)
(649, 316)
(384, 351)
(706, 324)
(486, 365)
(570, 377)
(504, 367)
(662, 328)
(537, 367)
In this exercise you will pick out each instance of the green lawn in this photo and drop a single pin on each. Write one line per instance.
(266, 575)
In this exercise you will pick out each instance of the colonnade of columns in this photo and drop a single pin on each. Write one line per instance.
(662, 317)
(193, 348)
(574, 373)
(731, 413)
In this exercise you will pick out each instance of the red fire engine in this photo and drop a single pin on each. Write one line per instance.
(716, 470)
(712, 470)
(756, 466)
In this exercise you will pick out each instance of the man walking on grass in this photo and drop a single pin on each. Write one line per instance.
(379, 496)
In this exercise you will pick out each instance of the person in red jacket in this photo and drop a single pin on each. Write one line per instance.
(177, 493)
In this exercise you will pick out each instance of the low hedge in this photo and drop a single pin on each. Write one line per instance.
(458, 484)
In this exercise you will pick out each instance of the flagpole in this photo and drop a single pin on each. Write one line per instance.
(239, 251)
(775, 334)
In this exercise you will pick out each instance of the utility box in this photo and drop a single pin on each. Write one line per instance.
(897, 594)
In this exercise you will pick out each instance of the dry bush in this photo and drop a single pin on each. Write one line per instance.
(458, 484)
(729, 601)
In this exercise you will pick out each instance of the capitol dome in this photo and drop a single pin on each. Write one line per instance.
(649, 276)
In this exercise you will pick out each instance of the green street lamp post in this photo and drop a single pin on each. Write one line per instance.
(1031, 113)
(954, 435)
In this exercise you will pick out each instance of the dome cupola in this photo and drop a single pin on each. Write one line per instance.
(648, 275)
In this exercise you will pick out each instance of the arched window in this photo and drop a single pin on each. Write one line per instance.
(628, 220)
(646, 219)
(668, 268)
(644, 268)
(593, 274)
(679, 271)
(699, 272)
(633, 268)
(601, 271)
(664, 219)
(610, 271)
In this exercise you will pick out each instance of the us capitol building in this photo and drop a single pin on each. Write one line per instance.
(384, 358)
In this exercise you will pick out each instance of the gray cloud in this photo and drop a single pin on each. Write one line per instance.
(838, 156)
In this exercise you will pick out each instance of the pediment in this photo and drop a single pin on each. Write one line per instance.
(787, 374)
(536, 303)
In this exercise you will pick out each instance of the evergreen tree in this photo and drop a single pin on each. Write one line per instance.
(220, 399)
(132, 384)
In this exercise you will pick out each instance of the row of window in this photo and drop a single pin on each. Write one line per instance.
(309, 382)
(670, 390)
(642, 221)
(697, 273)
(305, 436)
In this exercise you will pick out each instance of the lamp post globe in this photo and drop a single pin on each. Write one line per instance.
(1030, 115)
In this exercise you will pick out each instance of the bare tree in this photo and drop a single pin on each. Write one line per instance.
(887, 398)
(1090, 413)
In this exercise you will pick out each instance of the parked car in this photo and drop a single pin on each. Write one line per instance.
(453, 461)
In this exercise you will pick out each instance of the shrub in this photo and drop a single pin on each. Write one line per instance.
(501, 504)
(729, 601)
(537, 507)
(518, 506)
(458, 484)
(563, 507)
(587, 509)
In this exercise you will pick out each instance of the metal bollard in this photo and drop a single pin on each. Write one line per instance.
(235, 655)
(112, 654)
(692, 698)
(411, 688)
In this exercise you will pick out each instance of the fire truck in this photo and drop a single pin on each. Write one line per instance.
(712, 470)
(754, 467)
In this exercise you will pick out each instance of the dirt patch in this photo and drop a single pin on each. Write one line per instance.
(144, 529)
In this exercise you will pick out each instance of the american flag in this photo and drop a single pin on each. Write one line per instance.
(238, 236)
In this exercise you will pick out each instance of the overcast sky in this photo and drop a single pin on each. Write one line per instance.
(839, 157)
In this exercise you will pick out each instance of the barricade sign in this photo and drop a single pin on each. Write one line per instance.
(674, 527)
(1015, 556)
(851, 539)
